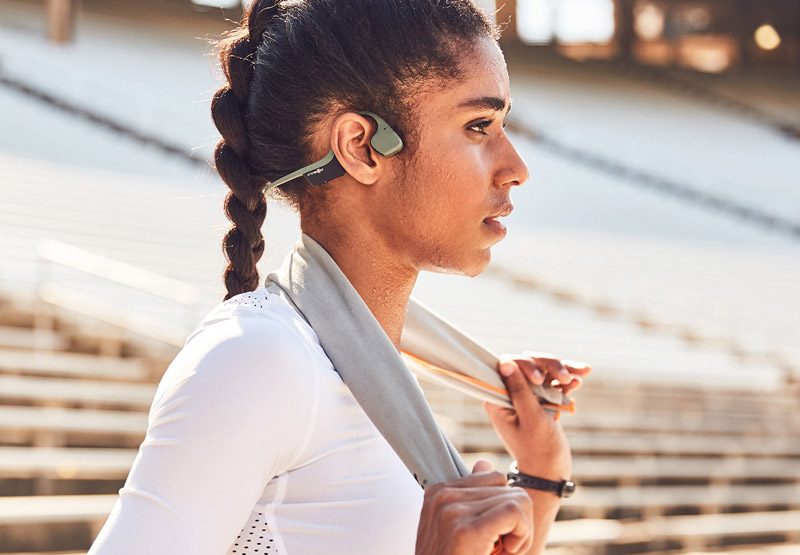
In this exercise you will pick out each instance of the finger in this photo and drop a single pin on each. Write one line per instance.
(572, 386)
(500, 417)
(463, 496)
(482, 465)
(551, 365)
(499, 412)
(576, 367)
(510, 517)
(520, 392)
(528, 367)
(484, 478)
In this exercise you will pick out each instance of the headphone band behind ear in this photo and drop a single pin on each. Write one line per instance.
(385, 140)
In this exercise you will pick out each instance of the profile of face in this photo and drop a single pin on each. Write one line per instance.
(441, 215)
(437, 210)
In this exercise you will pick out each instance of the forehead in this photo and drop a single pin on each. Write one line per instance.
(484, 75)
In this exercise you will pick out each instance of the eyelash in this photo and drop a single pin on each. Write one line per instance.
(484, 124)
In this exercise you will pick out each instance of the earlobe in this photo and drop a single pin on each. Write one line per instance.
(350, 141)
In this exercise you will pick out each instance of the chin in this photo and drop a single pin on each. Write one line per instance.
(481, 265)
(469, 268)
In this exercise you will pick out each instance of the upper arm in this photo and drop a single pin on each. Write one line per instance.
(234, 409)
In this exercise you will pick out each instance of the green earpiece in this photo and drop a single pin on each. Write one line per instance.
(385, 140)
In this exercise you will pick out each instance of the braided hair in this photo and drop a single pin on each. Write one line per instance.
(291, 64)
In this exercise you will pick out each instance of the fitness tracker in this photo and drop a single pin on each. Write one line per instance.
(564, 488)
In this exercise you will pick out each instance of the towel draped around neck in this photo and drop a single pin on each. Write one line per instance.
(379, 376)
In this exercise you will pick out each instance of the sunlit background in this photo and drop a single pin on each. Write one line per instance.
(658, 238)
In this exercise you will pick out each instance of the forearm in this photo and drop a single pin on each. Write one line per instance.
(545, 507)
(546, 504)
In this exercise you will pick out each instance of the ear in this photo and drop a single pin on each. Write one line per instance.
(350, 143)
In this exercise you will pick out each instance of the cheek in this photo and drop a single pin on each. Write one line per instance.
(464, 182)
(442, 197)
(460, 163)
(465, 173)
(440, 194)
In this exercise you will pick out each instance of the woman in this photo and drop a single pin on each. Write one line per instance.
(254, 443)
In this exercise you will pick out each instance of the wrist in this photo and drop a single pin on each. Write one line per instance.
(561, 488)
(549, 470)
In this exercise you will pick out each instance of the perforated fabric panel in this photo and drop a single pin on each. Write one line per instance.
(255, 299)
(255, 537)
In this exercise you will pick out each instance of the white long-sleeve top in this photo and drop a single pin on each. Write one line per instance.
(255, 445)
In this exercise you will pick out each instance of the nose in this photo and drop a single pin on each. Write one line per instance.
(515, 170)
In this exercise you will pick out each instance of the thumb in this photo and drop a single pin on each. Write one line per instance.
(519, 389)
(499, 415)
(482, 465)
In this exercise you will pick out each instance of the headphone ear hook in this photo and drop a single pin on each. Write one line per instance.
(385, 140)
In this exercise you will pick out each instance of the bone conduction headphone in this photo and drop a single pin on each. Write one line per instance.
(385, 140)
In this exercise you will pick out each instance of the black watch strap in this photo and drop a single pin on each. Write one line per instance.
(564, 488)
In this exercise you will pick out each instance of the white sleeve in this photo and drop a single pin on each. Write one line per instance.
(233, 410)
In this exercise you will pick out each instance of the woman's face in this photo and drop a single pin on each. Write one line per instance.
(440, 216)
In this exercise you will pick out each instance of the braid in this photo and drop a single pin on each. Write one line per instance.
(245, 204)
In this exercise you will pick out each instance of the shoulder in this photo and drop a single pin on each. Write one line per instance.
(254, 326)
(248, 379)
(248, 316)
(250, 347)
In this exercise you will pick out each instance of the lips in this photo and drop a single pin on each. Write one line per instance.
(494, 224)
(502, 212)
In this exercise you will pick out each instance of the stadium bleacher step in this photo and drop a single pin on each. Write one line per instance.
(73, 365)
(47, 391)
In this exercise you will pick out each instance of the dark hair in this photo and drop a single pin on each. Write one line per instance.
(291, 63)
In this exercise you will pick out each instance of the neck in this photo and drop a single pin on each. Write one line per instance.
(383, 283)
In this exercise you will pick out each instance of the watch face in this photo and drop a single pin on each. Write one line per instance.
(568, 489)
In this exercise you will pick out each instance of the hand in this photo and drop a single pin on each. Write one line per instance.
(531, 434)
(468, 515)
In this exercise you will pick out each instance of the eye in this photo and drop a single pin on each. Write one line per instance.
(482, 125)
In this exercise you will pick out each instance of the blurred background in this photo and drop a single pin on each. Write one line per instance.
(658, 239)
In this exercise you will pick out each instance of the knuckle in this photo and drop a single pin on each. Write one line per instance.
(519, 498)
(447, 496)
(450, 514)
(509, 507)
(432, 491)
(461, 530)
(518, 506)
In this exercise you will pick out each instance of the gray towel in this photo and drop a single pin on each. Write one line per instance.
(438, 343)
(376, 373)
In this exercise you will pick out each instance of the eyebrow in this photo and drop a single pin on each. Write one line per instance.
(487, 102)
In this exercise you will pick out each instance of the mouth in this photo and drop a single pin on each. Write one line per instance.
(504, 211)
(494, 224)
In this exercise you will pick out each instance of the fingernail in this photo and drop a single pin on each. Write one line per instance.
(537, 374)
(506, 368)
